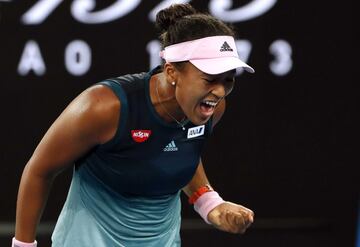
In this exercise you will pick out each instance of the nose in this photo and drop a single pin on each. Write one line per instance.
(220, 90)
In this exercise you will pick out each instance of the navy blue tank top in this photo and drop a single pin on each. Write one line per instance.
(147, 156)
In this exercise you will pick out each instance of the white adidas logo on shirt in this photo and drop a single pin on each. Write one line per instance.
(171, 147)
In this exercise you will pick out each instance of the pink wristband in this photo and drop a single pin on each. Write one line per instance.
(207, 202)
(17, 243)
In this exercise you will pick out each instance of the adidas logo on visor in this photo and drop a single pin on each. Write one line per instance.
(226, 47)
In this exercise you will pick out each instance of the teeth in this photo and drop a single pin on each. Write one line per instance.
(210, 103)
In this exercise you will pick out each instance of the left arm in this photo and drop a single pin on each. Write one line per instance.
(227, 216)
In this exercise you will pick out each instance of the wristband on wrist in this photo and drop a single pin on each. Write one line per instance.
(199, 192)
(17, 243)
(207, 202)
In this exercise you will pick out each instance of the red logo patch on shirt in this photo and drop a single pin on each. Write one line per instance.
(140, 135)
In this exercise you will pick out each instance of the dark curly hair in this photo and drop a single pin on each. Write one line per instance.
(181, 22)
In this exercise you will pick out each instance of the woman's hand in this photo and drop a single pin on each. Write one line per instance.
(231, 217)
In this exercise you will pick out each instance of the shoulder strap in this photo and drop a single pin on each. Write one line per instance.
(121, 94)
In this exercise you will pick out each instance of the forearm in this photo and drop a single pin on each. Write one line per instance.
(32, 196)
(213, 209)
(199, 179)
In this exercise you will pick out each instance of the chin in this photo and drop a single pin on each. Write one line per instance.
(199, 121)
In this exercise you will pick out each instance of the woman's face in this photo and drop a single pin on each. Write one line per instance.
(198, 93)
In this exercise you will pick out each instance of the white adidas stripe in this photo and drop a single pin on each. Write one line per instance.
(170, 147)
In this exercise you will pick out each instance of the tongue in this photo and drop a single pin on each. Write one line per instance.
(206, 109)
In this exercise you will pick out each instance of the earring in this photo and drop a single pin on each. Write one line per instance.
(173, 83)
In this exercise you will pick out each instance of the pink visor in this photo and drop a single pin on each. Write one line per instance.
(212, 55)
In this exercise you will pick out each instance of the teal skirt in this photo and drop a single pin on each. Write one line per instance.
(94, 215)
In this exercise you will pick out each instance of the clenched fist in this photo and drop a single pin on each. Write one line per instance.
(231, 217)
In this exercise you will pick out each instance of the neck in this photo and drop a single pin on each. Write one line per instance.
(164, 100)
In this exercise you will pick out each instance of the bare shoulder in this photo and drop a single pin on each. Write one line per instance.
(90, 119)
(100, 99)
(97, 108)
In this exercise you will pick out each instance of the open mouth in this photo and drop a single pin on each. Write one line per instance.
(207, 107)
